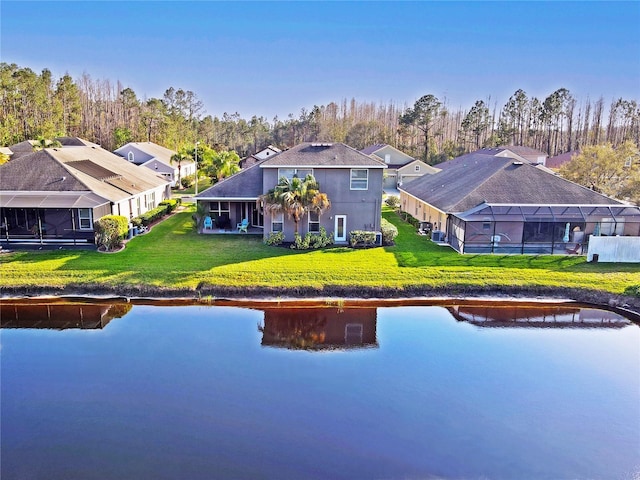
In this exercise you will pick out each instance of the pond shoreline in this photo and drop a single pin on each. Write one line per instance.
(209, 294)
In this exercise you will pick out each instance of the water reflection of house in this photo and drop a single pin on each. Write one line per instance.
(319, 328)
(540, 317)
(60, 316)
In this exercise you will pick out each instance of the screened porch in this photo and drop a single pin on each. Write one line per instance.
(539, 229)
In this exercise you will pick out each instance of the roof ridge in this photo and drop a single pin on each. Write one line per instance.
(483, 182)
(64, 165)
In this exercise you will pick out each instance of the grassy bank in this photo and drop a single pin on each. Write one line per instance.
(174, 256)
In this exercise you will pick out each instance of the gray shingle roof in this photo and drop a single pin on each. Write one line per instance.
(77, 169)
(320, 155)
(247, 183)
(37, 172)
(479, 178)
(373, 148)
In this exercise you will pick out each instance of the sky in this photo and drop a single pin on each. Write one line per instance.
(275, 58)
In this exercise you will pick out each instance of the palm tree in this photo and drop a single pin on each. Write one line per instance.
(179, 158)
(41, 143)
(296, 197)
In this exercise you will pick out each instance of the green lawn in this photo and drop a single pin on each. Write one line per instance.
(173, 255)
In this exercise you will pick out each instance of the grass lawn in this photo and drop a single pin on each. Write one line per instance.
(173, 255)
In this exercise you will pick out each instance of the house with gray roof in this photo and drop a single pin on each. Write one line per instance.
(157, 159)
(56, 194)
(489, 203)
(351, 180)
(401, 168)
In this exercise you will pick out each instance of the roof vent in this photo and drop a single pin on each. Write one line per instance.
(517, 163)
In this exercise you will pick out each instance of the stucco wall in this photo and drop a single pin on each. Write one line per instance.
(614, 249)
(362, 207)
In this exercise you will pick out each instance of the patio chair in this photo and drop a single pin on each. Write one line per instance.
(208, 223)
(242, 227)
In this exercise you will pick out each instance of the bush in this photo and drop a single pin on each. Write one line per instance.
(389, 232)
(392, 201)
(188, 181)
(171, 204)
(151, 216)
(362, 238)
(110, 230)
(409, 219)
(274, 238)
(632, 291)
(312, 240)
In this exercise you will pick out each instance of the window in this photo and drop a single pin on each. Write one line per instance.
(85, 218)
(294, 172)
(359, 179)
(130, 156)
(417, 168)
(277, 222)
(628, 162)
(138, 206)
(314, 222)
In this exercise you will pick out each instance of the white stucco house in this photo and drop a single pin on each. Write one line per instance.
(157, 159)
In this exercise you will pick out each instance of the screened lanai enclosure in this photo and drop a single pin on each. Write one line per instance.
(538, 229)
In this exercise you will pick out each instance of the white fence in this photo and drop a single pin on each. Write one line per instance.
(614, 249)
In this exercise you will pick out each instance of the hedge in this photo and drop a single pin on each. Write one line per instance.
(362, 238)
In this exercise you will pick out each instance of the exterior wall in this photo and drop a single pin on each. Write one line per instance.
(129, 206)
(139, 156)
(614, 249)
(396, 157)
(362, 207)
(423, 211)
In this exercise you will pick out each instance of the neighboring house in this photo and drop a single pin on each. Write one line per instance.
(29, 146)
(401, 168)
(257, 157)
(522, 154)
(554, 163)
(351, 180)
(57, 193)
(157, 159)
(485, 203)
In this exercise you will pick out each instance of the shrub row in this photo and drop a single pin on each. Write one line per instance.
(409, 219)
(147, 218)
(171, 204)
(362, 238)
(312, 240)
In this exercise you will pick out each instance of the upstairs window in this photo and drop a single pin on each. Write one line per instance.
(359, 179)
(417, 168)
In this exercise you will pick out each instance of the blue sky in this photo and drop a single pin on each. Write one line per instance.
(274, 58)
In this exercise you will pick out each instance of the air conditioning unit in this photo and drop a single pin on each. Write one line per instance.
(437, 236)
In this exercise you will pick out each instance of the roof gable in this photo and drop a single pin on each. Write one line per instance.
(322, 155)
(247, 183)
(38, 171)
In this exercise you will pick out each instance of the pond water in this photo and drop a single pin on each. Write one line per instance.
(488, 391)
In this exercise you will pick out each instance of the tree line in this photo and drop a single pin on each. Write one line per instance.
(37, 105)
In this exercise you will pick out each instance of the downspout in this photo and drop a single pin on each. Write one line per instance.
(73, 225)
(493, 236)
(39, 227)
